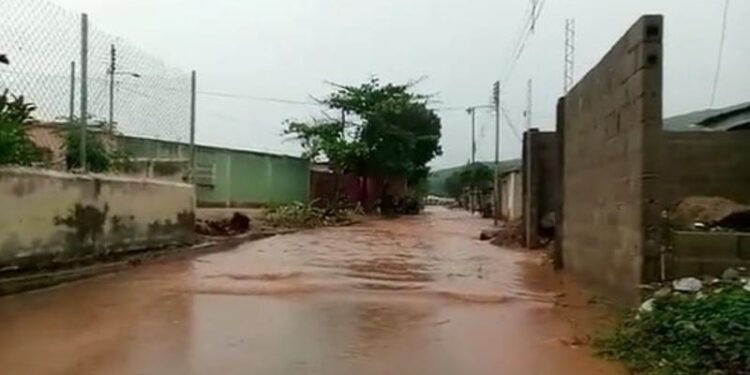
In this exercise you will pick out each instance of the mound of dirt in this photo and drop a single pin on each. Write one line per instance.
(509, 235)
(711, 213)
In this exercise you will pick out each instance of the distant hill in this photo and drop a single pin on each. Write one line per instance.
(437, 178)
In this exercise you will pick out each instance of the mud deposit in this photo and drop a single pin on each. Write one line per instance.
(416, 295)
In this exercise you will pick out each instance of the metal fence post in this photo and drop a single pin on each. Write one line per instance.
(192, 126)
(84, 87)
(72, 109)
(111, 72)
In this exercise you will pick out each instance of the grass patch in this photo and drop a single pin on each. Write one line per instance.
(703, 333)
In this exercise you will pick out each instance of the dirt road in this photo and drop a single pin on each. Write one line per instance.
(410, 296)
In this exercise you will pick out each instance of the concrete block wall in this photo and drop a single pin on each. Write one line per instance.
(541, 166)
(612, 129)
(707, 164)
(708, 253)
(53, 217)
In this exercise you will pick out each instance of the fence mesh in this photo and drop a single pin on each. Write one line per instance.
(42, 44)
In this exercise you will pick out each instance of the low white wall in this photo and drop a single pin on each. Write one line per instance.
(511, 196)
(48, 217)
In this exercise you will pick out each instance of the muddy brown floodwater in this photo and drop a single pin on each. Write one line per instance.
(416, 295)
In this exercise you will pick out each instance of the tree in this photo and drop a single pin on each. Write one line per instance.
(399, 133)
(326, 140)
(16, 148)
(392, 133)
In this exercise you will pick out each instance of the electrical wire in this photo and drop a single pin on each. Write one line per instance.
(512, 127)
(229, 95)
(256, 98)
(721, 52)
(526, 32)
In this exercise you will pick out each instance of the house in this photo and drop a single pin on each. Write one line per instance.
(510, 182)
(732, 118)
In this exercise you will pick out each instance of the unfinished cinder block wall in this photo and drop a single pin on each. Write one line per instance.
(540, 168)
(707, 164)
(612, 129)
(714, 164)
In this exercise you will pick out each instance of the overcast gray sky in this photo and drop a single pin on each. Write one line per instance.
(288, 48)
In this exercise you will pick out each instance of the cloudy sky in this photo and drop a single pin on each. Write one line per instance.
(288, 48)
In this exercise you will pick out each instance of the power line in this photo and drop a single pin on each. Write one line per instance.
(527, 30)
(569, 70)
(256, 98)
(721, 51)
(229, 95)
(512, 127)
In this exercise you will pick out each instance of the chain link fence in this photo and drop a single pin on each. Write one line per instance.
(56, 61)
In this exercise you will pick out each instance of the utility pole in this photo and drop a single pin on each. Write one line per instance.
(528, 166)
(192, 125)
(570, 49)
(111, 71)
(529, 104)
(72, 109)
(84, 88)
(496, 183)
(472, 111)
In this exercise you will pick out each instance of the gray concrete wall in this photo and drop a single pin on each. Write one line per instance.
(541, 166)
(707, 164)
(53, 217)
(612, 120)
(704, 253)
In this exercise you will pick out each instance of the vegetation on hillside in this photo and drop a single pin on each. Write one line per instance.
(473, 176)
(436, 179)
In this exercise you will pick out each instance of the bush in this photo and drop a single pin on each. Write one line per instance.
(16, 148)
(98, 158)
(687, 334)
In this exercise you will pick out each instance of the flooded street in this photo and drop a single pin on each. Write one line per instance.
(418, 295)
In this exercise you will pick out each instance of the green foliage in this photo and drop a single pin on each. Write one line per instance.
(687, 335)
(15, 146)
(300, 215)
(393, 134)
(472, 176)
(399, 133)
(98, 157)
(326, 139)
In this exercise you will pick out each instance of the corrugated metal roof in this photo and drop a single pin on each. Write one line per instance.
(714, 119)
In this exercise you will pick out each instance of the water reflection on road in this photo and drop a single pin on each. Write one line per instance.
(410, 296)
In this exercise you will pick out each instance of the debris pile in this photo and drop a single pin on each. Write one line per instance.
(711, 214)
(237, 224)
(301, 215)
(509, 234)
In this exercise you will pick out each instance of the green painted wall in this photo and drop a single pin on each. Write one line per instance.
(234, 177)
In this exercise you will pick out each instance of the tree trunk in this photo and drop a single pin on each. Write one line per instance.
(336, 189)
